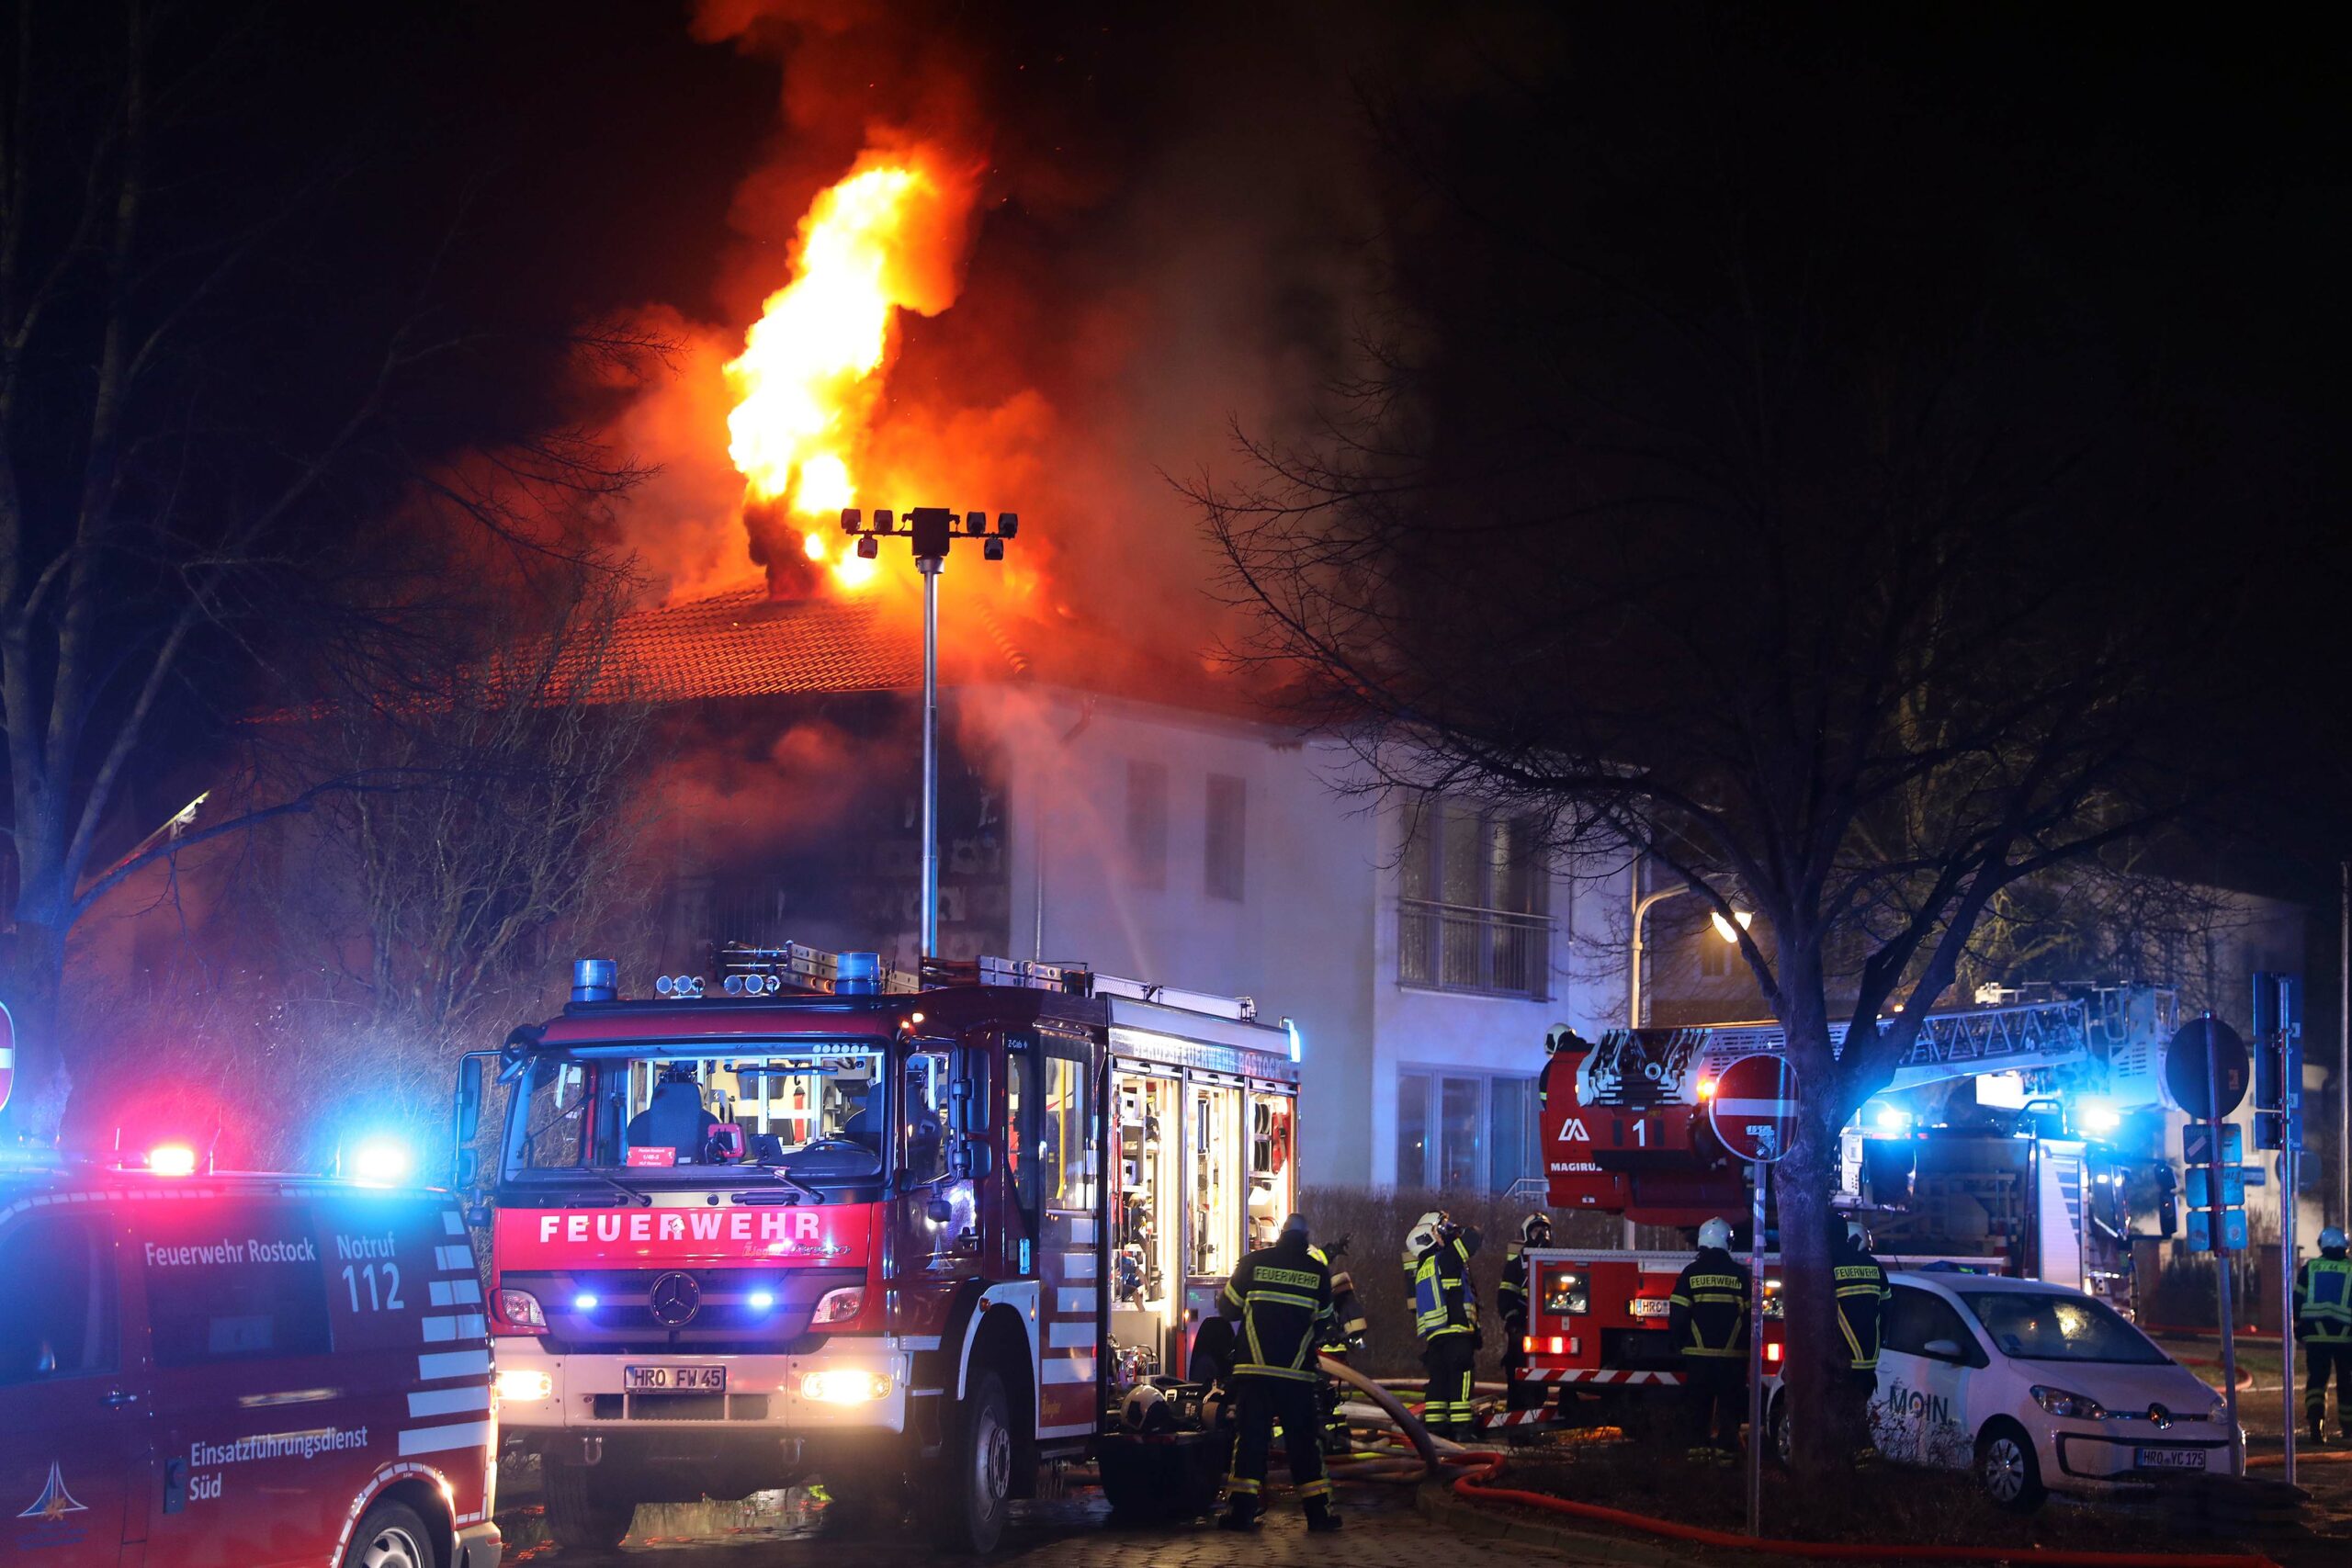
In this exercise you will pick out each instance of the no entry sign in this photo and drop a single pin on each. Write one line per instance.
(1754, 1111)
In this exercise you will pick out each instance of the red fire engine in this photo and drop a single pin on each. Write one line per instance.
(843, 1223)
(1625, 1129)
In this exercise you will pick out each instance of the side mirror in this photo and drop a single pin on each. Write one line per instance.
(973, 1159)
(1942, 1349)
(469, 1097)
(469, 1168)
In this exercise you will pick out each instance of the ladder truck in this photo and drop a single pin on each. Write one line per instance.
(1942, 1170)
(916, 1236)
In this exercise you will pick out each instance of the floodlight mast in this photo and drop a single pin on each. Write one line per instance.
(931, 530)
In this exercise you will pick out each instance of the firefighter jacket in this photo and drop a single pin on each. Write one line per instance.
(1511, 1296)
(1862, 1296)
(1281, 1296)
(1708, 1307)
(1444, 1300)
(2323, 1300)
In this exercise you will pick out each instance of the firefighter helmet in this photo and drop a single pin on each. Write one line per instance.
(1715, 1234)
(1146, 1409)
(1426, 1232)
(1858, 1234)
(2331, 1239)
(1533, 1226)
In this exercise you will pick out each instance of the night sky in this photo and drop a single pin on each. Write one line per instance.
(567, 162)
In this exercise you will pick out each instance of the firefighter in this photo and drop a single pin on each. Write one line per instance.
(1281, 1296)
(1445, 1315)
(1863, 1294)
(1345, 1334)
(1709, 1324)
(1511, 1300)
(2323, 1325)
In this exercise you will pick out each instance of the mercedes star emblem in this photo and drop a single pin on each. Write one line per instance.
(674, 1300)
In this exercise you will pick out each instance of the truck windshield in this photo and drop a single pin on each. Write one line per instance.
(2035, 1327)
(816, 1113)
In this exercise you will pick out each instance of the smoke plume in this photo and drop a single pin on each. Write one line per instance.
(1162, 242)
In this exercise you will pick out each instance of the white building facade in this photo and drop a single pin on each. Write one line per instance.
(1422, 948)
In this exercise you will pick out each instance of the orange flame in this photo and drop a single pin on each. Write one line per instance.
(886, 238)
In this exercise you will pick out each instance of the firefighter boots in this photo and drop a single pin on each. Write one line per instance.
(1240, 1512)
(1320, 1515)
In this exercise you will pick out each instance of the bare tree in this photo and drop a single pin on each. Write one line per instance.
(440, 896)
(205, 405)
(1742, 500)
(365, 945)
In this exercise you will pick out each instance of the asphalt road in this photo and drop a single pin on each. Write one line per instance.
(1383, 1532)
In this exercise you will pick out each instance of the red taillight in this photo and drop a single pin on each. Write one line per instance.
(1558, 1345)
(1772, 1353)
(516, 1312)
(1528, 1344)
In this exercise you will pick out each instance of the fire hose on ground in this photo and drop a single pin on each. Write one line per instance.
(1431, 1455)
(1487, 1466)
(1481, 1467)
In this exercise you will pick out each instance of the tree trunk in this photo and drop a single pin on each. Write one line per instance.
(1804, 1183)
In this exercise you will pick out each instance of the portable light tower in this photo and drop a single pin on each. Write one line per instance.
(931, 530)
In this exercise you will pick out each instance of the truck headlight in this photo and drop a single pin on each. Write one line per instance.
(2073, 1406)
(523, 1384)
(838, 1306)
(520, 1312)
(844, 1385)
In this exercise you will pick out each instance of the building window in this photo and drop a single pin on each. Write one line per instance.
(1227, 836)
(1473, 888)
(1715, 954)
(1465, 1131)
(1148, 824)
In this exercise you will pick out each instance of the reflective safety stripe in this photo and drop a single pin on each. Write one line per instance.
(1242, 1485)
(1261, 1370)
(1318, 1487)
(1306, 1303)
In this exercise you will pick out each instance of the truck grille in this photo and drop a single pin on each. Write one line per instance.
(679, 1407)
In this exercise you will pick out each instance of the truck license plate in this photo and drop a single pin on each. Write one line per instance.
(1652, 1306)
(2170, 1458)
(673, 1380)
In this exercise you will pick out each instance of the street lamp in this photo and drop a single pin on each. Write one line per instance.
(1641, 902)
(931, 530)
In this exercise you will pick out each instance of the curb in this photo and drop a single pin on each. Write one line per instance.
(1434, 1500)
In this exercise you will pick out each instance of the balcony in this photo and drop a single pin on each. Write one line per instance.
(1487, 952)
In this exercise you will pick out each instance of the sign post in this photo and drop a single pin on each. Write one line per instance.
(1754, 1113)
(8, 1055)
(2207, 1068)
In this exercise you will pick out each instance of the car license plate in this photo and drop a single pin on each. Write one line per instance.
(1652, 1306)
(673, 1380)
(2170, 1458)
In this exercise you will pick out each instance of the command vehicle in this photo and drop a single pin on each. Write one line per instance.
(889, 1231)
(212, 1370)
(1942, 1174)
(2038, 1388)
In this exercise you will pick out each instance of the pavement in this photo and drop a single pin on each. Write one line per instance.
(1384, 1530)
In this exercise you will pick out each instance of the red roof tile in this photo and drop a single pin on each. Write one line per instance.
(744, 645)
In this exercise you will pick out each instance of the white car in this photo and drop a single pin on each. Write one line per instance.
(2038, 1388)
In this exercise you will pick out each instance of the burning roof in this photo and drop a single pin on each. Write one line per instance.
(744, 644)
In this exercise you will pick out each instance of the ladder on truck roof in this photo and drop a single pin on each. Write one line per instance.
(1648, 1066)
(753, 971)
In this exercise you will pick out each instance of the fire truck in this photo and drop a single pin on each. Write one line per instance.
(903, 1233)
(1984, 1152)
